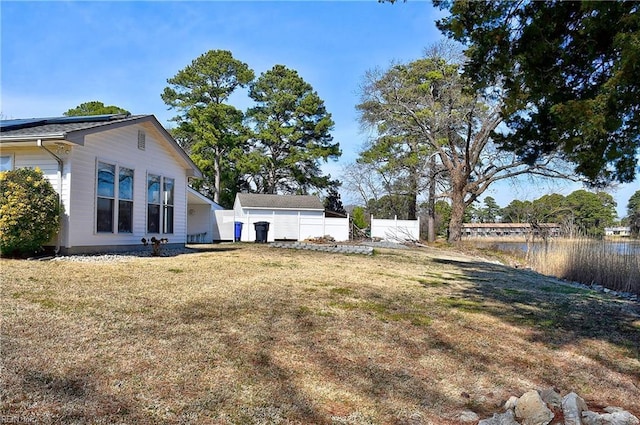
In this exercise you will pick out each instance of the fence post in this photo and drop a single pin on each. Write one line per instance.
(371, 227)
(395, 227)
(324, 225)
(348, 228)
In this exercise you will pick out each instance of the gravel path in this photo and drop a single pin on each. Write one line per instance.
(120, 256)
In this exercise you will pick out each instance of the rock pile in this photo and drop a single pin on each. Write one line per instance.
(342, 249)
(548, 407)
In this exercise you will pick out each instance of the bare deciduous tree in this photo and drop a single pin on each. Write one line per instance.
(428, 104)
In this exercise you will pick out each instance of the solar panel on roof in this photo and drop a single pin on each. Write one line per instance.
(20, 123)
(84, 118)
(7, 125)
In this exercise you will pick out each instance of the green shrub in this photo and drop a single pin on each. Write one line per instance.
(29, 211)
(359, 218)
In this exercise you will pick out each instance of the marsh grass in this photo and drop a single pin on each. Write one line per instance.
(261, 335)
(590, 261)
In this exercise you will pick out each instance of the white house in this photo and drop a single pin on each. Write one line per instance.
(503, 230)
(290, 217)
(120, 177)
(617, 231)
(201, 219)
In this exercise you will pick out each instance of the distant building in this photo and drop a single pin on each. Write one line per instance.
(481, 230)
(617, 231)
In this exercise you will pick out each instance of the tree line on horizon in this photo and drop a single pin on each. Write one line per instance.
(446, 125)
(581, 212)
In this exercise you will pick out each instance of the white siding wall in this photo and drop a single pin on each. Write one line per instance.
(199, 222)
(35, 157)
(120, 146)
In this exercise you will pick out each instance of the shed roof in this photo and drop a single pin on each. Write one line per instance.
(289, 202)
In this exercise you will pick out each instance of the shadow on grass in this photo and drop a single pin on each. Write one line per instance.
(77, 395)
(292, 354)
(212, 248)
(558, 314)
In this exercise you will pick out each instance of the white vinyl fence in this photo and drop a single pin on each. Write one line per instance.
(313, 227)
(300, 227)
(223, 227)
(296, 227)
(395, 230)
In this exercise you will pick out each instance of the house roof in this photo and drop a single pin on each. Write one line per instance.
(288, 202)
(30, 128)
(74, 130)
(196, 198)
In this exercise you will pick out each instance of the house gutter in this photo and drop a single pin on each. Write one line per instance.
(60, 170)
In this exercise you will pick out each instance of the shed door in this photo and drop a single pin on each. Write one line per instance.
(285, 225)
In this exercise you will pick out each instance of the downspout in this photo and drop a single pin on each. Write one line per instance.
(60, 170)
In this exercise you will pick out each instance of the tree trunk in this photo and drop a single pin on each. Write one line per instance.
(457, 217)
(412, 210)
(431, 229)
(431, 213)
(217, 174)
(457, 205)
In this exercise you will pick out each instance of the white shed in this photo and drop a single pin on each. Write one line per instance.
(290, 217)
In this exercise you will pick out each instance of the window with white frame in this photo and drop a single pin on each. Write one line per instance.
(160, 204)
(6, 162)
(125, 200)
(153, 203)
(167, 205)
(114, 198)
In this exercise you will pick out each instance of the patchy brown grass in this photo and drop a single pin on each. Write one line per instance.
(249, 334)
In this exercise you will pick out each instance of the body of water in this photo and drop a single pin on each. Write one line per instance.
(627, 247)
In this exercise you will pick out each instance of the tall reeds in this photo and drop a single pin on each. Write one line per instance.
(613, 265)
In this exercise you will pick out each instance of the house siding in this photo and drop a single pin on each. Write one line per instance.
(199, 227)
(36, 157)
(120, 146)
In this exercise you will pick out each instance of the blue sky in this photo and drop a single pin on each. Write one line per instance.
(57, 55)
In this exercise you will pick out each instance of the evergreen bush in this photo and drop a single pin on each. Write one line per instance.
(29, 211)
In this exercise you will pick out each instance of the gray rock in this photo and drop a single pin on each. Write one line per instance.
(615, 416)
(511, 403)
(468, 416)
(591, 418)
(622, 417)
(551, 397)
(532, 410)
(506, 418)
(572, 408)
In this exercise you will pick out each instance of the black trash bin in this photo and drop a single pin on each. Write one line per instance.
(262, 229)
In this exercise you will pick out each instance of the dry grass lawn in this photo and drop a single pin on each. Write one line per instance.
(244, 334)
